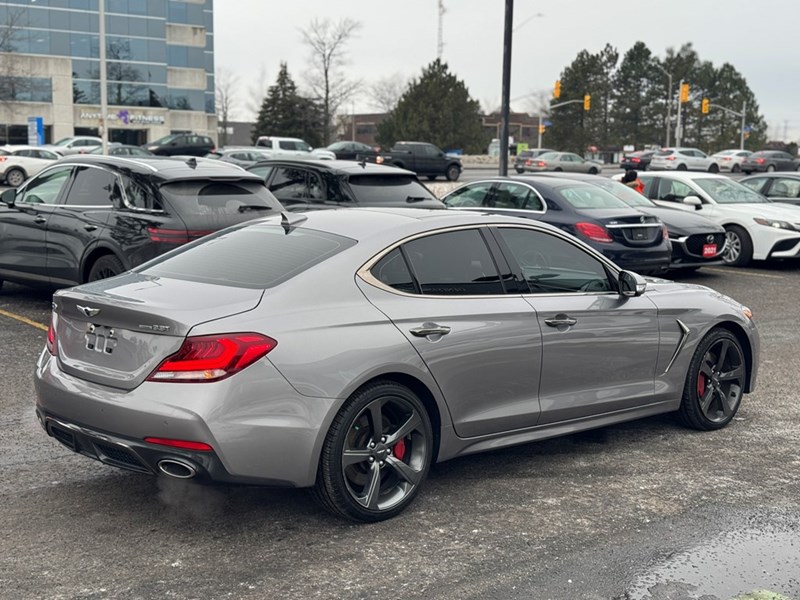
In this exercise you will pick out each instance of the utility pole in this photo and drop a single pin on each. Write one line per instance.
(743, 116)
(669, 101)
(103, 78)
(678, 131)
(506, 92)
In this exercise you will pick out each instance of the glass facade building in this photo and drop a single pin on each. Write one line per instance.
(159, 61)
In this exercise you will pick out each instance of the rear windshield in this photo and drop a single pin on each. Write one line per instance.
(400, 190)
(625, 193)
(589, 197)
(525, 154)
(219, 198)
(257, 256)
(664, 152)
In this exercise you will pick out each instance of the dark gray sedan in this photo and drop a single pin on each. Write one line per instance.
(348, 350)
(778, 187)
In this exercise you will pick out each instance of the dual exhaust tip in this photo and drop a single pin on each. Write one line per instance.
(177, 469)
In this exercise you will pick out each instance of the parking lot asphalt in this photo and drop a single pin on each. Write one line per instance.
(646, 510)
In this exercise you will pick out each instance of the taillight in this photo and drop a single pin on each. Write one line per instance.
(379, 160)
(634, 159)
(3, 158)
(213, 357)
(541, 163)
(174, 236)
(665, 232)
(760, 161)
(670, 158)
(528, 163)
(183, 444)
(594, 232)
(52, 348)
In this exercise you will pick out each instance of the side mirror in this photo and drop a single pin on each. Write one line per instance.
(693, 201)
(9, 197)
(631, 284)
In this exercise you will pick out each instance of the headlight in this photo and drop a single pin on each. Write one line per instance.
(775, 224)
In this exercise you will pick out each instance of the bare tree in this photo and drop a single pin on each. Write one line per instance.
(256, 93)
(329, 85)
(226, 100)
(13, 85)
(386, 92)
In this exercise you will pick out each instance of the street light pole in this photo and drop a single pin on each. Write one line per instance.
(506, 92)
(678, 131)
(741, 133)
(103, 78)
(669, 101)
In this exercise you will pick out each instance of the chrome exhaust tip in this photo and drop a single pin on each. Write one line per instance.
(176, 468)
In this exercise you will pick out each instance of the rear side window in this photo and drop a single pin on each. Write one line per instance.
(219, 197)
(91, 187)
(589, 196)
(257, 257)
(383, 189)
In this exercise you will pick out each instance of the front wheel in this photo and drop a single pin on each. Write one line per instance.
(770, 168)
(105, 266)
(518, 170)
(431, 177)
(735, 169)
(376, 455)
(452, 173)
(739, 247)
(593, 171)
(713, 168)
(715, 382)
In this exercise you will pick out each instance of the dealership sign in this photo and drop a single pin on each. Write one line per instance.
(127, 118)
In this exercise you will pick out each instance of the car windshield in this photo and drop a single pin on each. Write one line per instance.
(627, 194)
(385, 189)
(725, 191)
(64, 141)
(339, 146)
(590, 197)
(726, 153)
(165, 140)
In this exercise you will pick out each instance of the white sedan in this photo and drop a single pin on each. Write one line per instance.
(22, 162)
(755, 227)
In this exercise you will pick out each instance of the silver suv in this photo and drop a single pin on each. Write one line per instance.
(683, 159)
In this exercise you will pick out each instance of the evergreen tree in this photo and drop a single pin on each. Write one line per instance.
(638, 100)
(436, 108)
(285, 113)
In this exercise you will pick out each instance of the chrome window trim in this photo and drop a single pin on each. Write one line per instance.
(39, 174)
(492, 209)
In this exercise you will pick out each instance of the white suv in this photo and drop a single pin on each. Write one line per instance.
(285, 147)
(683, 159)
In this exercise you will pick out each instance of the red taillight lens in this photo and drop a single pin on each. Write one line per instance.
(760, 161)
(214, 357)
(670, 158)
(184, 444)
(594, 232)
(379, 160)
(528, 163)
(634, 159)
(52, 348)
(665, 232)
(541, 163)
(174, 236)
(3, 158)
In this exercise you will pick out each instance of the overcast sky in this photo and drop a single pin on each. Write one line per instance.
(759, 37)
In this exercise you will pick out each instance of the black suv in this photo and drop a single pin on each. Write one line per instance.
(314, 184)
(89, 217)
(181, 144)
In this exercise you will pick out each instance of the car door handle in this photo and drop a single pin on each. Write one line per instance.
(40, 219)
(561, 321)
(430, 329)
(90, 227)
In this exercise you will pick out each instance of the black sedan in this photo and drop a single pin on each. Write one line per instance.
(350, 150)
(632, 239)
(302, 184)
(778, 187)
(89, 217)
(769, 161)
(636, 160)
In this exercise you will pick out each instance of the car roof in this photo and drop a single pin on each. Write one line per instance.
(551, 181)
(683, 175)
(341, 167)
(164, 167)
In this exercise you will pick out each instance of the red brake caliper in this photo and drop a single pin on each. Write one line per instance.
(701, 385)
(399, 449)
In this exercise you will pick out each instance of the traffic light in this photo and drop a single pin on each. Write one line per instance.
(542, 128)
(557, 89)
(587, 102)
(704, 106)
(684, 92)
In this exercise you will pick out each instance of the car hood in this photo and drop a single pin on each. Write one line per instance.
(681, 222)
(771, 210)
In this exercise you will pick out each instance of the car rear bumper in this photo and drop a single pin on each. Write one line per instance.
(261, 430)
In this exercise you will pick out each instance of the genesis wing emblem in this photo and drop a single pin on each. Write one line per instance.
(88, 311)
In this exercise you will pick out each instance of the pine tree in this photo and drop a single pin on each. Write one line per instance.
(436, 108)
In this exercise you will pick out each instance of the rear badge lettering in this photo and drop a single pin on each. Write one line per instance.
(159, 328)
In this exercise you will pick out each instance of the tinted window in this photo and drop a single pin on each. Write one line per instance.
(469, 195)
(45, 189)
(515, 195)
(92, 187)
(552, 265)
(262, 171)
(139, 196)
(589, 196)
(258, 257)
(381, 189)
(456, 263)
(392, 270)
(218, 198)
(286, 145)
(288, 183)
(757, 184)
(784, 187)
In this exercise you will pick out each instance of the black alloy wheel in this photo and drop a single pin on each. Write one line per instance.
(715, 382)
(376, 455)
(104, 267)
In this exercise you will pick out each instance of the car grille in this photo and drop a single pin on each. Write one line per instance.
(695, 243)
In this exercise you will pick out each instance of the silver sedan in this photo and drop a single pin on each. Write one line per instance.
(568, 162)
(349, 350)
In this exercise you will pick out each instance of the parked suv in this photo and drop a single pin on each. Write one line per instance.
(315, 184)
(88, 217)
(286, 147)
(181, 144)
(683, 159)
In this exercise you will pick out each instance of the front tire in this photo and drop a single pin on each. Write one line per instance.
(713, 168)
(453, 173)
(735, 169)
(518, 170)
(376, 454)
(739, 247)
(104, 267)
(715, 382)
(770, 168)
(593, 171)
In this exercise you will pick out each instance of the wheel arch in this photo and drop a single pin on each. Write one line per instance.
(739, 333)
(93, 254)
(16, 168)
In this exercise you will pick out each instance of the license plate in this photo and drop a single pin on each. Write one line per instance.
(709, 250)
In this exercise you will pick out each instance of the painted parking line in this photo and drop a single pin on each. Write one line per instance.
(22, 319)
(742, 272)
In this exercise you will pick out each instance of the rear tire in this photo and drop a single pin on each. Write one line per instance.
(518, 170)
(452, 173)
(739, 249)
(372, 471)
(715, 382)
(770, 168)
(558, 169)
(15, 177)
(104, 267)
(736, 169)
(747, 172)
(682, 167)
(713, 168)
